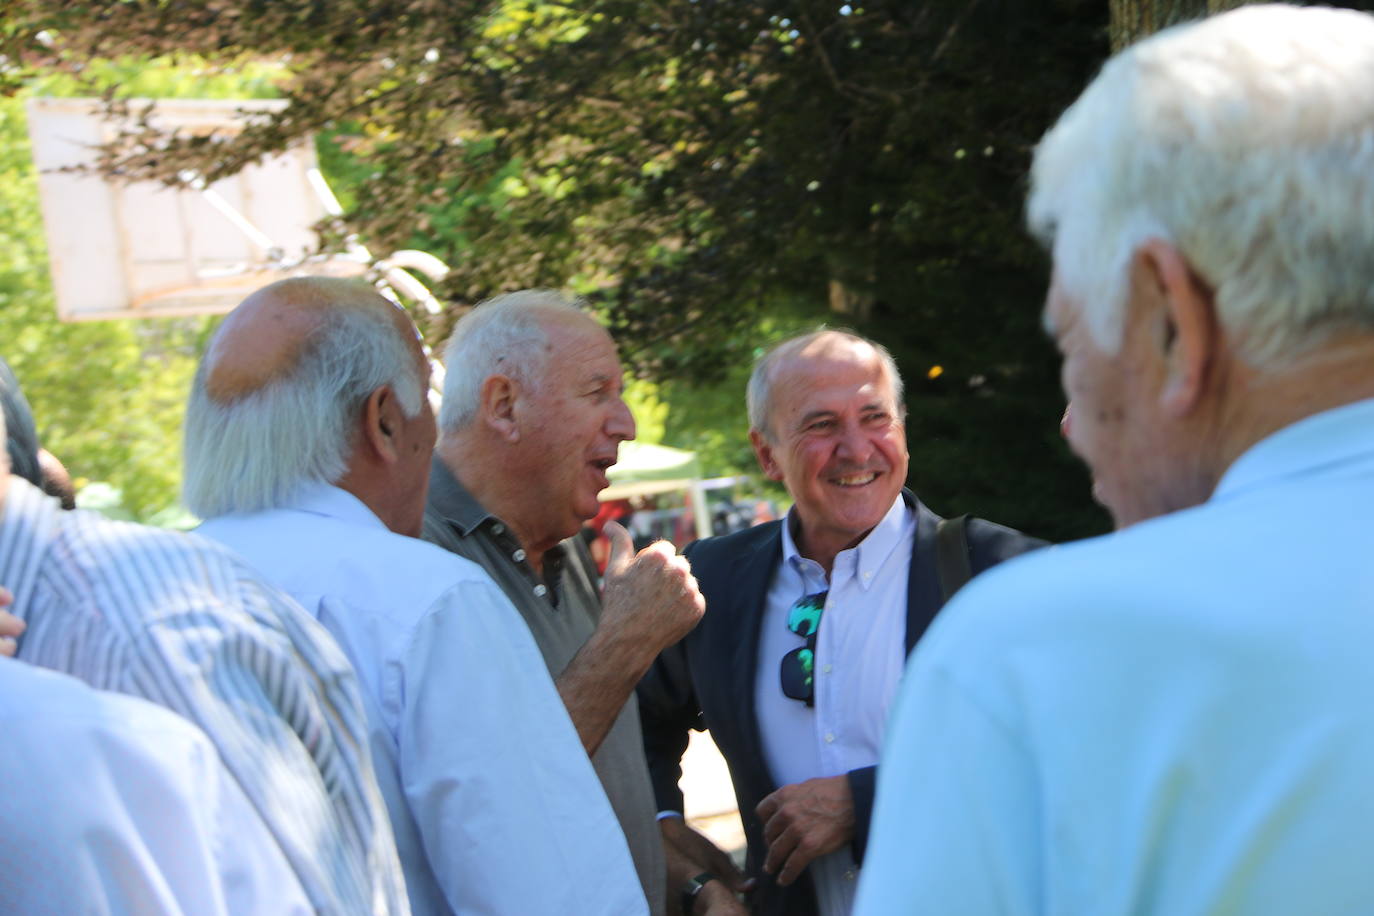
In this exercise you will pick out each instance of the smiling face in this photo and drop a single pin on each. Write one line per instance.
(573, 422)
(836, 440)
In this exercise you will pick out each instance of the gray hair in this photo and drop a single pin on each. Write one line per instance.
(757, 396)
(503, 335)
(1245, 142)
(257, 451)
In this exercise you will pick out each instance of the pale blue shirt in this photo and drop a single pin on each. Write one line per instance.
(114, 805)
(860, 650)
(495, 806)
(1174, 719)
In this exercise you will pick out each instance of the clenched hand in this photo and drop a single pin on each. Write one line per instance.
(651, 598)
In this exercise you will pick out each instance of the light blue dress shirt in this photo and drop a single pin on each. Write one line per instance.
(1174, 719)
(494, 803)
(114, 805)
(860, 651)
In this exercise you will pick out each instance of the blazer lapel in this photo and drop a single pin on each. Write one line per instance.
(923, 598)
(753, 570)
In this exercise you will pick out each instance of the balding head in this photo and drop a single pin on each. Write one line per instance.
(263, 339)
(814, 344)
(275, 402)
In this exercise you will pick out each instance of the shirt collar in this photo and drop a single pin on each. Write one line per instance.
(1342, 435)
(867, 556)
(451, 499)
(333, 502)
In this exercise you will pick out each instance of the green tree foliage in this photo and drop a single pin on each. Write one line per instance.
(699, 168)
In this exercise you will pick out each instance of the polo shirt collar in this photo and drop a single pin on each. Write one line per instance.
(451, 499)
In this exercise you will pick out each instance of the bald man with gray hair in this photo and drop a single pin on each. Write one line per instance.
(308, 441)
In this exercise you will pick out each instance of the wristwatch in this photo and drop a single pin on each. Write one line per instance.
(694, 886)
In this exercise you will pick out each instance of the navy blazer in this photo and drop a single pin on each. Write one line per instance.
(707, 680)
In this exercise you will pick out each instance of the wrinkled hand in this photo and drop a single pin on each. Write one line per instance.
(10, 626)
(690, 853)
(805, 821)
(650, 597)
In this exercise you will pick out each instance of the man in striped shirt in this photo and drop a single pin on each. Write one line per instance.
(180, 621)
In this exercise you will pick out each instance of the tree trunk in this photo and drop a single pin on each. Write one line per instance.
(1134, 19)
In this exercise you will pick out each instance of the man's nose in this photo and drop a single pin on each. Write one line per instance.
(620, 424)
(855, 444)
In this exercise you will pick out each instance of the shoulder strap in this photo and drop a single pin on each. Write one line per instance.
(951, 554)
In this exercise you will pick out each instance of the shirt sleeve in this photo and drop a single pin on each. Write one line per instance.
(512, 815)
(280, 702)
(955, 823)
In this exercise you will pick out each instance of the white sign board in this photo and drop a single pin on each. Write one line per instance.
(121, 250)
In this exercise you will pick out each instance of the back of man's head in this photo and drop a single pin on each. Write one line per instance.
(1246, 141)
(505, 335)
(275, 402)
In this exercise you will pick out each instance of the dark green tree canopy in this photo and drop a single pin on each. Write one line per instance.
(698, 168)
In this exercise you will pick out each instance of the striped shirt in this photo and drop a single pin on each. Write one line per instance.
(184, 623)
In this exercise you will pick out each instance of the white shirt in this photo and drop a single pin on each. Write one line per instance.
(860, 651)
(1174, 719)
(495, 806)
(184, 623)
(111, 804)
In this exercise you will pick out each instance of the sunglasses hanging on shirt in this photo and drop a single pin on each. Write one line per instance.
(798, 666)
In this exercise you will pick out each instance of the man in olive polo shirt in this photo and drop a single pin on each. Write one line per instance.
(532, 418)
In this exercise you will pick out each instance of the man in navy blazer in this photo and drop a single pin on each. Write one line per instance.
(808, 624)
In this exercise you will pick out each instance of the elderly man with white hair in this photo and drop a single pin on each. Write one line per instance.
(532, 419)
(1178, 717)
(184, 623)
(308, 441)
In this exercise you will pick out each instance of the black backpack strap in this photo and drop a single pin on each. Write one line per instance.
(951, 554)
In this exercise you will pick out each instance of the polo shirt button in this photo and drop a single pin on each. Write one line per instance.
(540, 590)
(826, 669)
(829, 737)
(498, 528)
(518, 556)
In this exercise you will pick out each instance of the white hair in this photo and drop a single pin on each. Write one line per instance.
(503, 335)
(758, 394)
(256, 451)
(1246, 141)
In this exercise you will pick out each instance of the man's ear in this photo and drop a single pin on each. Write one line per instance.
(381, 423)
(764, 451)
(498, 406)
(1191, 337)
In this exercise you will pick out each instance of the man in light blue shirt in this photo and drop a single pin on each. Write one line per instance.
(308, 442)
(1177, 718)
